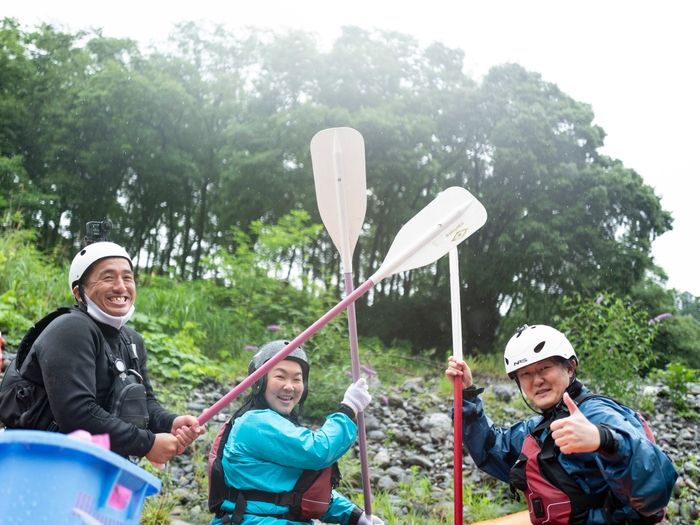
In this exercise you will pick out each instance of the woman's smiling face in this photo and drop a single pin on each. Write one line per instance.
(545, 382)
(285, 386)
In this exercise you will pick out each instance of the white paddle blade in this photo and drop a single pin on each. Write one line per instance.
(338, 161)
(449, 219)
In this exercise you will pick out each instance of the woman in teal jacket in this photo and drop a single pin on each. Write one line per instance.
(267, 451)
(585, 459)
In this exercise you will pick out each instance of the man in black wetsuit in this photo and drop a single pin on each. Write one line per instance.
(79, 356)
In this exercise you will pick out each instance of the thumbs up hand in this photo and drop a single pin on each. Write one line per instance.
(575, 433)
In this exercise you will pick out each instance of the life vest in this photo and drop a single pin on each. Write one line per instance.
(309, 499)
(553, 496)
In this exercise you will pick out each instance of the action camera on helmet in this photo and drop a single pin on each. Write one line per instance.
(97, 231)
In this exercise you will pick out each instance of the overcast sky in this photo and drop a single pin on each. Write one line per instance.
(635, 62)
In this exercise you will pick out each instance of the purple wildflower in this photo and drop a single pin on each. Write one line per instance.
(662, 316)
(274, 328)
(610, 350)
(385, 400)
(251, 348)
(348, 373)
(395, 389)
(368, 370)
(599, 300)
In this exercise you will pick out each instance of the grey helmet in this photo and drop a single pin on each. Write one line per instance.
(267, 352)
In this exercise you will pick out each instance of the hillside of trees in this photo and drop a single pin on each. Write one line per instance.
(196, 150)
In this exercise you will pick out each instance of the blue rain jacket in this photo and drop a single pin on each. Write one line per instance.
(640, 474)
(266, 451)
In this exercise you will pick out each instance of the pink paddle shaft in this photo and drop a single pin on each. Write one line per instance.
(361, 432)
(264, 369)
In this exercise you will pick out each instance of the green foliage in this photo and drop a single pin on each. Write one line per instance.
(675, 379)
(678, 337)
(211, 135)
(326, 388)
(245, 304)
(689, 305)
(31, 284)
(678, 340)
(176, 358)
(479, 506)
(612, 340)
(157, 508)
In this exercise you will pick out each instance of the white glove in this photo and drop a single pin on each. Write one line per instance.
(365, 521)
(357, 396)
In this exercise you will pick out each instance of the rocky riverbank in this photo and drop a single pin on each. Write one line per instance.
(410, 435)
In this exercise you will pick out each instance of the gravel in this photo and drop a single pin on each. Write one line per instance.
(410, 431)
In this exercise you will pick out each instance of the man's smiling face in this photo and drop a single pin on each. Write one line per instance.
(110, 285)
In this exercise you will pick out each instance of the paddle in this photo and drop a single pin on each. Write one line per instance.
(445, 222)
(338, 160)
(457, 352)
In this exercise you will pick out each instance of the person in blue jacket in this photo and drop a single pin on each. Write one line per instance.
(576, 462)
(268, 454)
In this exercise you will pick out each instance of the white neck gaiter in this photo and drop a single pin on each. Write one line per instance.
(97, 314)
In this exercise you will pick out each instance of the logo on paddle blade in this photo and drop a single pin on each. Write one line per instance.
(455, 230)
(460, 234)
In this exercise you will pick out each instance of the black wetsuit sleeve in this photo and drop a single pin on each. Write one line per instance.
(78, 382)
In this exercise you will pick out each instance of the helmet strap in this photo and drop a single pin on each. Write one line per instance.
(82, 304)
(574, 365)
(527, 401)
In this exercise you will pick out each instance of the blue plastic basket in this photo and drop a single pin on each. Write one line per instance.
(53, 479)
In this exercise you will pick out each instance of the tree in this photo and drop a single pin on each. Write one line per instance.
(562, 218)
(678, 336)
(187, 147)
(21, 117)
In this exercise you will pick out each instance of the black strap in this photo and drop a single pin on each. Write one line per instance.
(241, 505)
(282, 499)
(130, 350)
(292, 499)
(469, 394)
(589, 501)
(27, 341)
(242, 496)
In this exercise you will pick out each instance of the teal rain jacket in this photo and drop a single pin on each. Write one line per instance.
(266, 451)
(640, 474)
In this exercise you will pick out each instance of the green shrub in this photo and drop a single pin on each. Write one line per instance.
(31, 284)
(675, 379)
(613, 342)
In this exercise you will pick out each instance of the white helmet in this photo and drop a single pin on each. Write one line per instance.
(90, 254)
(534, 343)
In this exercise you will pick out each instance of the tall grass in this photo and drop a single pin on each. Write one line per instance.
(31, 284)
